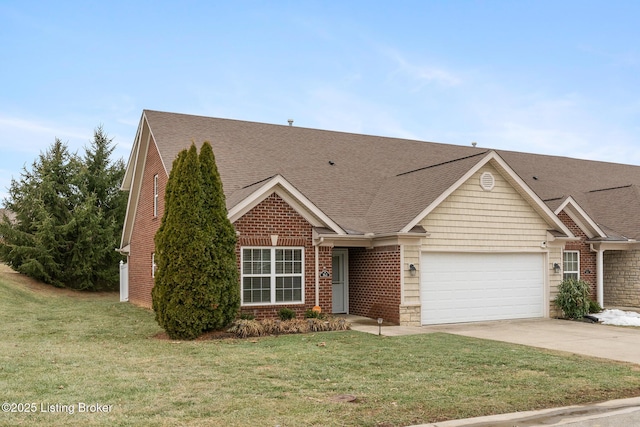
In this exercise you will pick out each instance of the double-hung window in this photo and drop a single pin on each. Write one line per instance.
(272, 275)
(571, 267)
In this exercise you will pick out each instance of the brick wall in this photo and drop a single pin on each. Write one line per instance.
(273, 216)
(622, 278)
(374, 282)
(144, 228)
(587, 257)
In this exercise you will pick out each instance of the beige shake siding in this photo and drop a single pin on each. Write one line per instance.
(472, 219)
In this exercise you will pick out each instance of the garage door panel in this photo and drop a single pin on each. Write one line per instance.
(467, 287)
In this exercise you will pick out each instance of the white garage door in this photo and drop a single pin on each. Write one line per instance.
(473, 287)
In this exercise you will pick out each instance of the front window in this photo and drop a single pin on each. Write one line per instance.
(571, 265)
(272, 275)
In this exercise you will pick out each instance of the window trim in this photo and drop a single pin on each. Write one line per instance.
(155, 195)
(272, 275)
(564, 270)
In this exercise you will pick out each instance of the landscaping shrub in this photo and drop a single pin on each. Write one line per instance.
(254, 328)
(310, 314)
(338, 324)
(594, 307)
(294, 326)
(317, 325)
(286, 314)
(573, 298)
(271, 326)
(247, 328)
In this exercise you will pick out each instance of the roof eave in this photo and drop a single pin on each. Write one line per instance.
(580, 217)
(292, 196)
(368, 240)
(518, 183)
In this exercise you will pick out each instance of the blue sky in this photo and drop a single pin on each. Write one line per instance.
(553, 77)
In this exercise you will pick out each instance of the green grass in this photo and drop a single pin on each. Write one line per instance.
(64, 349)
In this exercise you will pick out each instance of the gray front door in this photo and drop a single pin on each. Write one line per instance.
(340, 281)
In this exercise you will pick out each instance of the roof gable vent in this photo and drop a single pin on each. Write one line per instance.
(487, 181)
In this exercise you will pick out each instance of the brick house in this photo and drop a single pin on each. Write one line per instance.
(413, 232)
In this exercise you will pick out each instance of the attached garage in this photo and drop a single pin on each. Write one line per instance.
(471, 287)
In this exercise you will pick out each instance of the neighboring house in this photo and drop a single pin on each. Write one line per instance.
(408, 231)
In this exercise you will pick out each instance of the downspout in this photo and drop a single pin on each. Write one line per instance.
(600, 276)
(317, 277)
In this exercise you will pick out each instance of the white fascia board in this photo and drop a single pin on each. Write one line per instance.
(443, 196)
(131, 164)
(503, 167)
(615, 245)
(551, 216)
(137, 163)
(368, 240)
(581, 218)
(292, 196)
(551, 239)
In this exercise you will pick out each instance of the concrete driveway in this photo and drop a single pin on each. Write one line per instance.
(590, 339)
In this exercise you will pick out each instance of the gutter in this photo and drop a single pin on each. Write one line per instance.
(368, 240)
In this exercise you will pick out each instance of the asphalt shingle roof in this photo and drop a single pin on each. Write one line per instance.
(379, 184)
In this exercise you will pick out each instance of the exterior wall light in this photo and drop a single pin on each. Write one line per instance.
(412, 269)
(556, 267)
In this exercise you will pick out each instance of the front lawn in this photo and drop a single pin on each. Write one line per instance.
(62, 348)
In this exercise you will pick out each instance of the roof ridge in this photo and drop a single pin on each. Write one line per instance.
(610, 188)
(443, 163)
(258, 182)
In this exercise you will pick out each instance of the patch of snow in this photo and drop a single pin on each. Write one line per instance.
(618, 318)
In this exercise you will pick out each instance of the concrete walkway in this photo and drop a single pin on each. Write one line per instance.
(608, 342)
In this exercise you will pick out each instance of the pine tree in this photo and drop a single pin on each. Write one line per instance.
(69, 214)
(196, 285)
(42, 200)
(101, 214)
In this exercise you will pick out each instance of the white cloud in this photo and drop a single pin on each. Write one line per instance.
(19, 134)
(422, 74)
(342, 110)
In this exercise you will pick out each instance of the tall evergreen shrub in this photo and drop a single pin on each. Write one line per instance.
(221, 249)
(196, 285)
